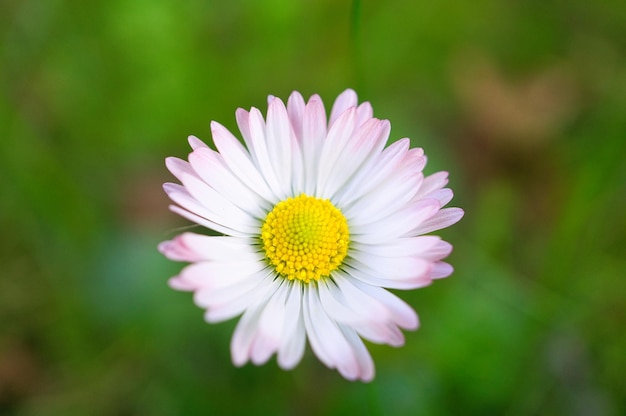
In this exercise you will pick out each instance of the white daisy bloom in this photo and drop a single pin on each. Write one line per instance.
(316, 218)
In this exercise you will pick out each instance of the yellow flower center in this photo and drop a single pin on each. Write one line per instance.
(305, 238)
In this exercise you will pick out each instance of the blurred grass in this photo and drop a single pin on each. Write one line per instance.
(523, 102)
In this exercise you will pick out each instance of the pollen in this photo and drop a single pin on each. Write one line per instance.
(305, 238)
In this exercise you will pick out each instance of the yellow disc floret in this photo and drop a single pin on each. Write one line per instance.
(305, 238)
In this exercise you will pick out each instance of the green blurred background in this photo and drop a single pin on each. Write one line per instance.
(524, 102)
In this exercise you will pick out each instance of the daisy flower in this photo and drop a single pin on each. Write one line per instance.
(316, 219)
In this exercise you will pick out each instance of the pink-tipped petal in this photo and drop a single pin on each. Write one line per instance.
(344, 101)
(402, 314)
(179, 284)
(196, 143)
(238, 160)
(335, 141)
(280, 141)
(271, 327)
(432, 183)
(440, 270)
(210, 167)
(178, 167)
(364, 112)
(327, 340)
(442, 219)
(311, 142)
(295, 109)
(292, 348)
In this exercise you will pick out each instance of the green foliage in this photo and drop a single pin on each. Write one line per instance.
(523, 102)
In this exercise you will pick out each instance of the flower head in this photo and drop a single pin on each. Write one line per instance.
(316, 219)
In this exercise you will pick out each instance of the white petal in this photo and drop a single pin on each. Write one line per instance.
(204, 222)
(297, 169)
(440, 270)
(195, 143)
(212, 296)
(178, 167)
(243, 122)
(392, 196)
(344, 101)
(326, 339)
(223, 248)
(391, 191)
(295, 109)
(401, 268)
(271, 324)
(369, 177)
(364, 359)
(432, 183)
(311, 142)
(219, 209)
(338, 135)
(261, 152)
(247, 328)
(194, 211)
(442, 195)
(176, 250)
(211, 168)
(359, 311)
(238, 160)
(364, 274)
(218, 274)
(333, 303)
(400, 224)
(179, 284)
(367, 141)
(439, 251)
(244, 335)
(444, 218)
(229, 301)
(402, 314)
(178, 194)
(242, 117)
(193, 247)
(364, 112)
(402, 247)
(280, 141)
(363, 304)
(291, 350)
